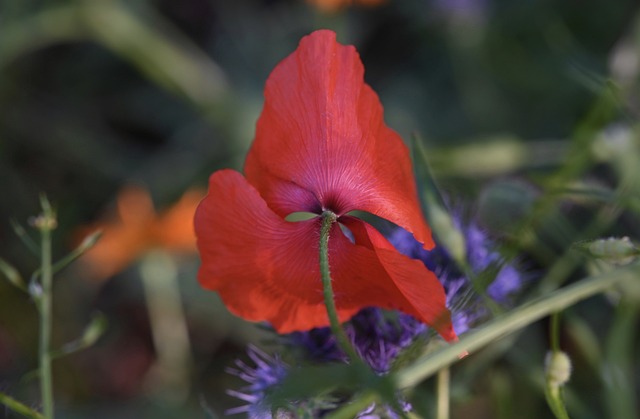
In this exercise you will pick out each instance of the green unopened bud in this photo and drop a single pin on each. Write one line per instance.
(44, 222)
(557, 368)
(89, 241)
(616, 250)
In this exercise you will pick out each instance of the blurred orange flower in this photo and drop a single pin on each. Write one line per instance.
(136, 228)
(335, 5)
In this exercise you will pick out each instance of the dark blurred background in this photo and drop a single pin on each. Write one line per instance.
(115, 109)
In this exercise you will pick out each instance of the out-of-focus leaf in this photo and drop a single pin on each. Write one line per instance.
(19, 408)
(487, 157)
(506, 205)
(617, 369)
(587, 340)
(319, 381)
(86, 244)
(25, 238)
(91, 334)
(326, 378)
(12, 275)
(208, 411)
(157, 49)
(441, 222)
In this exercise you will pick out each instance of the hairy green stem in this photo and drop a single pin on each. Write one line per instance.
(45, 303)
(328, 218)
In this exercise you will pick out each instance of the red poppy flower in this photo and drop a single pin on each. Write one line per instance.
(321, 144)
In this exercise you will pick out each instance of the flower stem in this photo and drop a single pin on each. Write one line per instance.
(328, 218)
(442, 405)
(554, 400)
(45, 223)
(555, 332)
(170, 376)
(552, 391)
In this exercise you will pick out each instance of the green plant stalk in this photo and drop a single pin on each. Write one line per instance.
(554, 400)
(515, 320)
(328, 218)
(44, 305)
(442, 402)
(552, 392)
(169, 331)
(18, 407)
(555, 332)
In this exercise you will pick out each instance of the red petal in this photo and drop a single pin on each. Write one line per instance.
(409, 286)
(265, 268)
(321, 141)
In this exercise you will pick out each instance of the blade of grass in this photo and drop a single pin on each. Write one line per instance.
(513, 321)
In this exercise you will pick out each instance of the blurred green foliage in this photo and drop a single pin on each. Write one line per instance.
(529, 112)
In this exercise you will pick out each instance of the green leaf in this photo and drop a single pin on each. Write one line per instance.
(13, 275)
(91, 334)
(25, 238)
(618, 366)
(441, 222)
(86, 244)
(326, 378)
(18, 407)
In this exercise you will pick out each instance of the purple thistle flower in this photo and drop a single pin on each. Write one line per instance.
(379, 336)
(378, 339)
(267, 372)
(465, 305)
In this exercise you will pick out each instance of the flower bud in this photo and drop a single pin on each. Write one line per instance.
(618, 251)
(557, 368)
(613, 248)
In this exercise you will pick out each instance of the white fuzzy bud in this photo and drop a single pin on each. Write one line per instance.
(557, 368)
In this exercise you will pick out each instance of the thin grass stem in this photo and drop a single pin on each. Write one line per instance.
(45, 304)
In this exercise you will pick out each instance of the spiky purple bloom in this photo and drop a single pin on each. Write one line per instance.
(483, 259)
(379, 336)
(266, 372)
